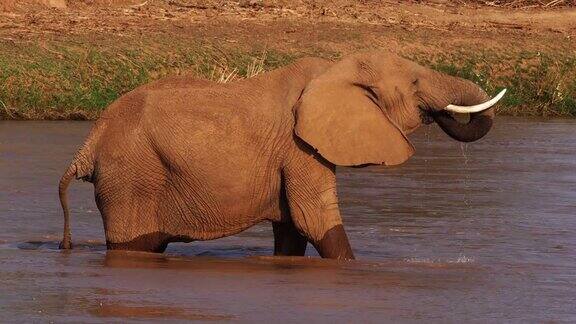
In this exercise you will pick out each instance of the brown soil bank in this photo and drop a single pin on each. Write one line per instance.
(69, 59)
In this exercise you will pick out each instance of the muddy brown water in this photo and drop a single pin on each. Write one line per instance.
(484, 232)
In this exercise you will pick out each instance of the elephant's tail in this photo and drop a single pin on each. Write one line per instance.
(70, 173)
(81, 167)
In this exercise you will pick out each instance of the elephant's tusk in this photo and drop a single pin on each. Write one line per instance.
(476, 108)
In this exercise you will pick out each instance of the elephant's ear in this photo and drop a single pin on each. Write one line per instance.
(337, 117)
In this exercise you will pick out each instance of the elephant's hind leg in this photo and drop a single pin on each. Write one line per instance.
(287, 240)
(129, 214)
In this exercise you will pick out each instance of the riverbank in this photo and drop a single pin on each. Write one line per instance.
(70, 62)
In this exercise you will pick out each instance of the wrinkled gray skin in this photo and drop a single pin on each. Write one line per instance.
(183, 159)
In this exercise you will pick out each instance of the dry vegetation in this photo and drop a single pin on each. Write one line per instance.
(59, 81)
(524, 4)
(69, 59)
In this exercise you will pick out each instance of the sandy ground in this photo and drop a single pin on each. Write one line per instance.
(338, 26)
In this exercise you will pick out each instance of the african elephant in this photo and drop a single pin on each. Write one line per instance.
(180, 159)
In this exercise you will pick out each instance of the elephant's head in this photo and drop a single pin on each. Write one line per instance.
(359, 111)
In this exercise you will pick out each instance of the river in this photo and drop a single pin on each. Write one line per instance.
(483, 232)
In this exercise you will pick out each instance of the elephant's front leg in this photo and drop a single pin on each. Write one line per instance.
(287, 240)
(311, 193)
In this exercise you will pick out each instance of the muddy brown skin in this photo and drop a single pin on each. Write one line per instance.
(181, 159)
(335, 245)
(287, 240)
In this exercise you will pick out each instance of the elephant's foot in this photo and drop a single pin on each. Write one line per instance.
(335, 245)
(287, 240)
(151, 242)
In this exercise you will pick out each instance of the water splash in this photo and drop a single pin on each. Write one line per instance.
(460, 260)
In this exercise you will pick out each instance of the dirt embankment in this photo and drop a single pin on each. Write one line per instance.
(75, 51)
(278, 20)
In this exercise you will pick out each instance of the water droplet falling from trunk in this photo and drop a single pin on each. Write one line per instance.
(425, 167)
(466, 173)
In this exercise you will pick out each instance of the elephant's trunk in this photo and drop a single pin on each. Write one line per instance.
(475, 129)
(459, 93)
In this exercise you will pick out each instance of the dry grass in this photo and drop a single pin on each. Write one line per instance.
(225, 73)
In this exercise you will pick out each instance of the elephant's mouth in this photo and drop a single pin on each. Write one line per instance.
(426, 117)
